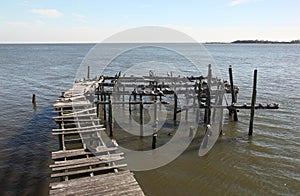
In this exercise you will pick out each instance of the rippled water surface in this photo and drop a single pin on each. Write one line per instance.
(266, 163)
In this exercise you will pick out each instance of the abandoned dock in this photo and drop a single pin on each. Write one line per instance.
(87, 164)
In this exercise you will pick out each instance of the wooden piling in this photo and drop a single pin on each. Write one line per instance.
(154, 138)
(141, 116)
(253, 103)
(33, 99)
(187, 103)
(98, 104)
(207, 113)
(175, 107)
(110, 117)
(233, 95)
(88, 73)
(104, 107)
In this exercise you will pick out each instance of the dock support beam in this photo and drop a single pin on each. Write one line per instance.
(208, 98)
(110, 118)
(175, 107)
(103, 97)
(233, 95)
(141, 117)
(253, 103)
(154, 138)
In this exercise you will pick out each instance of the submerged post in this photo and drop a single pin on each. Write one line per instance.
(253, 103)
(88, 73)
(233, 95)
(141, 116)
(33, 100)
(154, 138)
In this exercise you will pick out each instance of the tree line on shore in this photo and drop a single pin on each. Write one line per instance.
(265, 42)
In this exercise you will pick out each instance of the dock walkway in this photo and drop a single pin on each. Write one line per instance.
(85, 164)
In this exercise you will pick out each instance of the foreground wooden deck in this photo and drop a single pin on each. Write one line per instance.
(120, 183)
(85, 164)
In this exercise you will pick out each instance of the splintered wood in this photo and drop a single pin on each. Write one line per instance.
(85, 164)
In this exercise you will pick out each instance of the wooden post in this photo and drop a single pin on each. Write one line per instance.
(187, 103)
(155, 113)
(141, 116)
(154, 138)
(33, 99)
(88, 73)
(207, 113)
(60, 136)
(123, 97)
(253, 103)
(175, 107)
(110, 117)
(208, 98)
(233, 95)
(104, 107)
(98, 104)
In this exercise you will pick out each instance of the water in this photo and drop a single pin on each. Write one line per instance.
(267, 163)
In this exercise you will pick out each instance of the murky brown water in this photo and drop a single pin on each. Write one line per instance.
(265, 164)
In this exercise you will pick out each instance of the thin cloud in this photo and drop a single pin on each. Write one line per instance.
(18, 24)
(50, 13)
(79, 17)
(23, 24)
(23, 3)
(237, 2)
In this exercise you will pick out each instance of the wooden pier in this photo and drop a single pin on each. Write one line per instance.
(85, 164)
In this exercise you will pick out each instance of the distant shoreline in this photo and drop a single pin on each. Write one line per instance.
(256, 42)
(234, 42)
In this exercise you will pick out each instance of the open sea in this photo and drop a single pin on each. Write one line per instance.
(268, 163)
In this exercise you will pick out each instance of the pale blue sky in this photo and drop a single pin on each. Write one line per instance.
(95, 20)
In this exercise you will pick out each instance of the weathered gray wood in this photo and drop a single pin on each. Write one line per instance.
(87, 170)
(253, 101)
(86, 180)
(74, 132)
(121, 183)
(84, 163)
(78, 152)
(77, 128)
(69, 153)
(84, 160)
(75, 115)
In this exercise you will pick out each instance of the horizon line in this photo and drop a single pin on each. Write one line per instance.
(153, 42)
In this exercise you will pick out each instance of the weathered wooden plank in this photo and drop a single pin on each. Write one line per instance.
(69, 153)
(85, 160)
(78, 128)
(75, 116)
(78, 112)
(74, 132)
(78, 152)
(87, 170)
(86, 180)
(77, 120)
(70, 104)
(72, 165)
(121, 183)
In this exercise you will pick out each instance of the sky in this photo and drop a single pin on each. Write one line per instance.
(52, 21)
